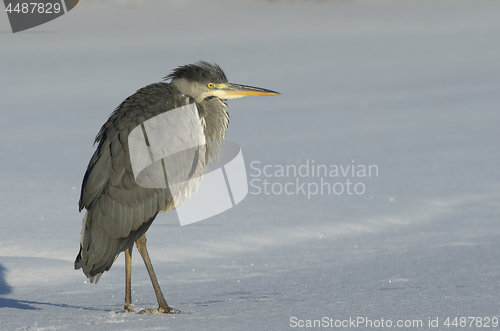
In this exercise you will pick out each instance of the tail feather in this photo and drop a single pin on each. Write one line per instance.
(97, 257)
(78, 260)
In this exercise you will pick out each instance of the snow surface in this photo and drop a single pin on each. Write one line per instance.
(412, 87)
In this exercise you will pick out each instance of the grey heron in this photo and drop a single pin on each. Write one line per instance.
(118, 210)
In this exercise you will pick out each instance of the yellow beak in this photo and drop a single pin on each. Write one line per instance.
(233, 91)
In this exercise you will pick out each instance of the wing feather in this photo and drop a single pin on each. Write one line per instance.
(120, 211)
(118, 167)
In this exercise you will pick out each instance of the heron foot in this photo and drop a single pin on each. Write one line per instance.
(160, 310)
(129, 308)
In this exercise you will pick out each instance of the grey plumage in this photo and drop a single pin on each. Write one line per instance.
(109, 191)
(119, 211)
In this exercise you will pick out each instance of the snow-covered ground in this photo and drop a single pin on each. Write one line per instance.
(411, 88)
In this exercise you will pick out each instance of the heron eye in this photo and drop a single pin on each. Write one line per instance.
(210, 85)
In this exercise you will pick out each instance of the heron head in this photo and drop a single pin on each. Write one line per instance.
(204, 80)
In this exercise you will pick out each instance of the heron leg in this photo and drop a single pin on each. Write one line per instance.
(128, 280)
(163, 307)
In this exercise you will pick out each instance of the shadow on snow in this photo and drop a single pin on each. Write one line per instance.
(6, 289)
(25, 304)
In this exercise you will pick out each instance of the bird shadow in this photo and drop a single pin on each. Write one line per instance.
(16, 304)
(5, 288)
(27, 305)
